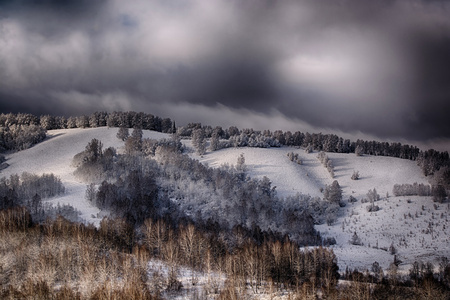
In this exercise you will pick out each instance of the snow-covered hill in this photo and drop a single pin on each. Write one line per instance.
(54, 155)
(415, 226)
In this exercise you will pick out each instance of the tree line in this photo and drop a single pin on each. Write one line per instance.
(431, 162)
(129, 119)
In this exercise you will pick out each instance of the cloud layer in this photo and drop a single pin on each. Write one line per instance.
(375, 66)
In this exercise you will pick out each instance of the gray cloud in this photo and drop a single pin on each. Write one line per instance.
(374, 66)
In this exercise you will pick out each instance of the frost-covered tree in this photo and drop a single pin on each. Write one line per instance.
(47, 122)
(214, 143)
(240, 165)
(123, 133)
(359, 150)
(199, 141)
(373, 196)
(137, 133)
(355, 175)
(133, 145)
(333, 192)
(82, 121)
(71, 122)
(94, 150)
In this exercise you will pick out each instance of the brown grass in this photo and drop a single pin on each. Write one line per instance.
(64, 260)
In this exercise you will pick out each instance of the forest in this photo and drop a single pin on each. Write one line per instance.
(165, 205)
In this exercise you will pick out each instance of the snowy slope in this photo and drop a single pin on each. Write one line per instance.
(54, 155)
(290, 178)
(403, 222)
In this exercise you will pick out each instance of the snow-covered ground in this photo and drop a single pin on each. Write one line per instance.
(54, 155)
(413, 225)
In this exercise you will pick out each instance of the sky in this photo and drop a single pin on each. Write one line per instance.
(377, 67)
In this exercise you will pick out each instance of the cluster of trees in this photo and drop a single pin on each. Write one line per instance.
(94, 163)
(230, 197)
(438, 191)
(294, 158)
(128, 119)
(372, 196)
(137, 187)
(234, 137)
(422, 282)
(326, 162)
(415, 189)
(431, 161)
(20, 137)
(247, 257)
(28, 190)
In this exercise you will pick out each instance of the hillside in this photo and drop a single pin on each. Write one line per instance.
(403, 222)
(55, 154)
(413, 225)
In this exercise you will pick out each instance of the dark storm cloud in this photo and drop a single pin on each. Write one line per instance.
(374, 66)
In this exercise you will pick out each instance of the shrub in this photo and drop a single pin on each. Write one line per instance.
(372, 208)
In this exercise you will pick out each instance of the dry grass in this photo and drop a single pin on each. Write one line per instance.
(64, 260)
